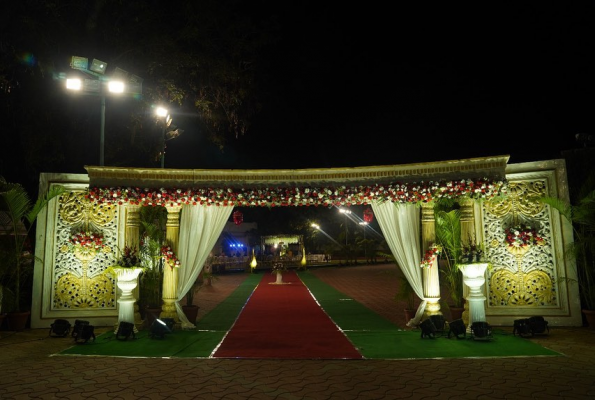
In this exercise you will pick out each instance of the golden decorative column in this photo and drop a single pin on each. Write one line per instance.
(467, 233)
(132, 240)
(431, 281)
(170, 275)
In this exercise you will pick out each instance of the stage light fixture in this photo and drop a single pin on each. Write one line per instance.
(78, 327)
(530, 326)
(428, 329)
(481, 330)
(159, 328)
(538, 324)
(125, 330)
(457, 328)
(83, 332)
(439, 322)
(170, 322)
(60, 328)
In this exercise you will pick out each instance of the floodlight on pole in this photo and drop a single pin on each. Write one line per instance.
(163, 116)
(365, 225)
(345, 212)
(115, 84)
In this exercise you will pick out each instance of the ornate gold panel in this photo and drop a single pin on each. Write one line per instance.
(79, 279)
(520, 277)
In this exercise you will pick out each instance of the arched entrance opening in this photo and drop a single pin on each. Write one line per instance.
(121, 191)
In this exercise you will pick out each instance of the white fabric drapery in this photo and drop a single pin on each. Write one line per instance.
(200, 227)
(400, 224)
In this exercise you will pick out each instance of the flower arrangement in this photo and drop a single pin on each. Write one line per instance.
(86, 241)
(522, 236)
(170, 257)
(278, 267)
(430, 255)
(471, 252)
(301, 196)
(130, 258)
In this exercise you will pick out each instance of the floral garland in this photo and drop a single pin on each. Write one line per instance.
(430, 255)
(296, 196)
(170, 257)
(522, 236)
(86, 241)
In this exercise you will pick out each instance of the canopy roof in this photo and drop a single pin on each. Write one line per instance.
(485, 167)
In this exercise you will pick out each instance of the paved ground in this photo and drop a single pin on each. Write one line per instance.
(29, 371)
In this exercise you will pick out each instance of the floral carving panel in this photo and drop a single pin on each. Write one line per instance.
(521, 276)
(79, 276)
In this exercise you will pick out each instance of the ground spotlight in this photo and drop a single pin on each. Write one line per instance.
(439, 323)
(60, 328)
(481, 330)
(428, 329)
(530, 326)
(125, 330)
(160, 327)
(82, 331)
(457, 328)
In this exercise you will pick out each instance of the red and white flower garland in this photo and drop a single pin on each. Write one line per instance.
(296, 196)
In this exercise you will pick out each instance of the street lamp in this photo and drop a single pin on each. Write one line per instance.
(365, 225)
(345, 212)
(163, 116)
(168, 130)
(119, 83)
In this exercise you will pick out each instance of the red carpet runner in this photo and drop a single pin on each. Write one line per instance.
(284, 321)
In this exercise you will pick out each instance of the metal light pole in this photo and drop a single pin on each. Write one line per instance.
(102, 134)
(119, 83)
(345, 212)
(365, 225)
(163, 114)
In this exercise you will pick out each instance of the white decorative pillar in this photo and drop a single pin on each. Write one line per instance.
(474, 278)
(170, 275)
(431, 280)
(132, 240)
(467, 234)
(127, 281)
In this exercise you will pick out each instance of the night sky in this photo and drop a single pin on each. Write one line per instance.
(403, 84)
(385, 84)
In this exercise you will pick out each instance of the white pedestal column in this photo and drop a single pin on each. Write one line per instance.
(474, 278)
(279, 280)
(127, 280)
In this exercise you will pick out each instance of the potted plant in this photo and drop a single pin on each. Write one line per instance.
(18, 218)
(448, 236)
(190, 309)
(151, 279)
(582, 249)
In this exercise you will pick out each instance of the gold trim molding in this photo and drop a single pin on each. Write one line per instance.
(484, 167)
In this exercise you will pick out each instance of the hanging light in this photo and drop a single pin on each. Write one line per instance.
(238, 217)
(368, 215)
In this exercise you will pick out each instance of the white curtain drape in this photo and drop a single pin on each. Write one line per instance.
(200, 227)
(400, 224)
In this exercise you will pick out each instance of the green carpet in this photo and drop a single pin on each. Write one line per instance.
(373, 335)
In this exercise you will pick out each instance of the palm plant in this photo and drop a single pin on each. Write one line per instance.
(153, 237)
(448, 235)
(18, 217)
(582, 250)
